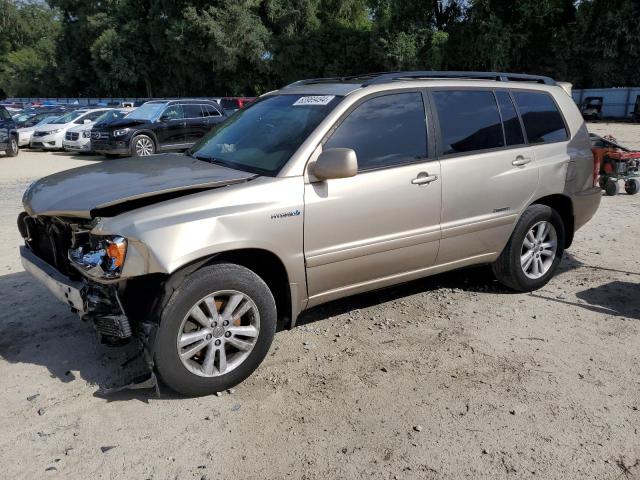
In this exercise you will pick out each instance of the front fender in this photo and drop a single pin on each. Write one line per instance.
(265, 213)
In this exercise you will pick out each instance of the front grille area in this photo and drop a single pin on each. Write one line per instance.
(71, 136)
(49, 238)
(97, 134)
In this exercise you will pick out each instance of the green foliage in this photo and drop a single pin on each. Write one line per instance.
(245, 47)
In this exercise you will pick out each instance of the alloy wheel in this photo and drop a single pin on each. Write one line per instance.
(539, 249)
(144, 147)
(218, 333)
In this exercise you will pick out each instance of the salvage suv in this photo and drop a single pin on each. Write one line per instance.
(323, 189)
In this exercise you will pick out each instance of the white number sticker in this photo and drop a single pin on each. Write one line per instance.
(314, 100)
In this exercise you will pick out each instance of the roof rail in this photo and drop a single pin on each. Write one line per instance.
(497, 76)
(386, 77)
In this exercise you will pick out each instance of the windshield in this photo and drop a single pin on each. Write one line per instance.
(262, 138)
(148, 111)
(45, 121)
(68, 117)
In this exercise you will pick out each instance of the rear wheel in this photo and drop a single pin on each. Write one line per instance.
(215, 330)
(142, 146)
(611, 187)
(534, 250)
(12, 149)
(632, 186)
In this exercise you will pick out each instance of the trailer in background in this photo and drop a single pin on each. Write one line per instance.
(617, 103)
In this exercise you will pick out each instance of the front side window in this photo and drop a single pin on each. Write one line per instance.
(541, 117)
(263, 137)
(172, 112)
(512, 129)
(469, 120)
(4, 114)
(384, 131)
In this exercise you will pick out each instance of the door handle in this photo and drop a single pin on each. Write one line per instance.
(424, 178)
(520, 161)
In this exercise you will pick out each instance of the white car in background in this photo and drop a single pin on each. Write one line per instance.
(25, 133)
(78, 138)
(50, 136)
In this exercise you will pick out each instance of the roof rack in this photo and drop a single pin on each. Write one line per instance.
(386, 77)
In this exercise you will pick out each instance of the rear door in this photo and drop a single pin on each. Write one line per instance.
(383, 225)
(489, 173)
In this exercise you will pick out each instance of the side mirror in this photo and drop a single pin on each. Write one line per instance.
(335, 163)
(86, 121)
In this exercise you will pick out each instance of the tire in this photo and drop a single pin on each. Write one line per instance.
(142, 146)
(611, 187)
(632, 186)
(602, 181)
(178, 321)
(12, 150)
(509, 268)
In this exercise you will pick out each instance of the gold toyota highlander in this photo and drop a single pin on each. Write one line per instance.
(325, 188)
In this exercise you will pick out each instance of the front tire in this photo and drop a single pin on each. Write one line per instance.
(12, 149)
(611, 187)
(533, 251)
(142, 146)
(215, 330)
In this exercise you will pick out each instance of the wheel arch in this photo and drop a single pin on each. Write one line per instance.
(264, 263)
(148, 133)
(564, 206)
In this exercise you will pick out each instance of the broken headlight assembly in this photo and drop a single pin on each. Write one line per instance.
(102, 257)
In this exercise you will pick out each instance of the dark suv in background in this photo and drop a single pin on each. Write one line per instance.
(158, 125)
(8, 133)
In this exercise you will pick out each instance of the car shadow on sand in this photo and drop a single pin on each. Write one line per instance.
(38, 329)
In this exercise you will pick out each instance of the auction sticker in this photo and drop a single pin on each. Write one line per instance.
(314, 100)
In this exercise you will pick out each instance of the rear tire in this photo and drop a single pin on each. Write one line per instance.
(530, 244)
(243, 341)
(12, 149)
(632, 186)
(142, 146)
(611, 187)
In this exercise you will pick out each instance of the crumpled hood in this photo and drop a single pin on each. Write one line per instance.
(79, 191)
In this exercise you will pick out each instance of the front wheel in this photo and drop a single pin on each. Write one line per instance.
(142, 146)
(12, 149)
(215, 330)
(534, 250)
(611, 187)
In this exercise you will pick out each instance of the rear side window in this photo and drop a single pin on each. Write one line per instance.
(512, 129)
(469, 120)
(192, 110)
(384, 131)
(541, 117)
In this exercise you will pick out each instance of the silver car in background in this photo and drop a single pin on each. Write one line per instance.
(323, 189)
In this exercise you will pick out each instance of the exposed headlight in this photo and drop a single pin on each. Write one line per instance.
(86, 134)
(120, 133)
(102, 257)
(51, 132)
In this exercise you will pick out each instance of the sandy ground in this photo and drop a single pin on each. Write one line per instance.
(447, 377)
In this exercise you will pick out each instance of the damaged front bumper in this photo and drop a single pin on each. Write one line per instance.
(91, 301)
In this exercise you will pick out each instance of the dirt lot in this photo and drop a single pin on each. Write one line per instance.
(447, 377)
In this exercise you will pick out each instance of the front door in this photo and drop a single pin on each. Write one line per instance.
(171, 131)
(383, 225)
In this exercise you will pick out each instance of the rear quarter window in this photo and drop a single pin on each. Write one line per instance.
(542, 120)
